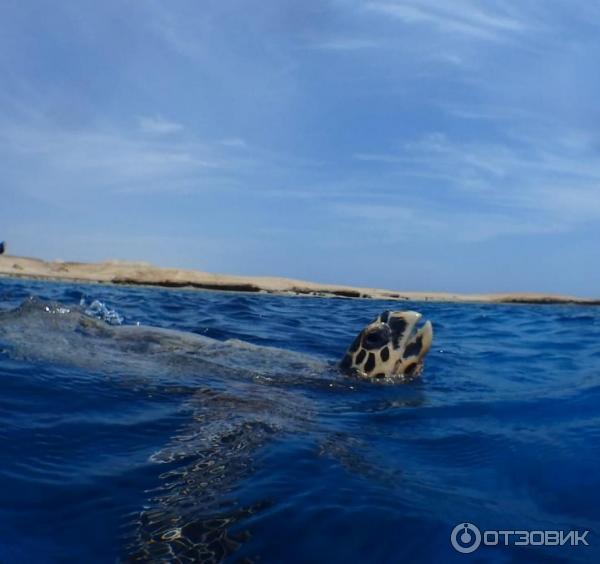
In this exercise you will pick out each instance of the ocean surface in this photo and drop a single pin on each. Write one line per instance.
(502, 431)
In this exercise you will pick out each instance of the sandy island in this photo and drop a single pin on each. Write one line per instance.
(140, 273)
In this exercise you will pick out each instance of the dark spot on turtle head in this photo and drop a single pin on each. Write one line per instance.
(370, 363)
(385, 354)
(376, 338)
(398, 326)
(360, 356)
(379, 375)
(384, 317)
(355, 344)
(410, 369)
(346, 362)
(414, 348)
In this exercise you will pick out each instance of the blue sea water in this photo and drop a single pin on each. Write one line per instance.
(502, 431)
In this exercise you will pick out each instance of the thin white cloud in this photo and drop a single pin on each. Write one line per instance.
(158, 125)
(233, 142)
(51, 162)
(534, 184)
(395, 222)
(346, 44)
(471, 18)
(62, 161)
(495, 113)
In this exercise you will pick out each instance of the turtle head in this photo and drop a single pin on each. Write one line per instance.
(390, 347)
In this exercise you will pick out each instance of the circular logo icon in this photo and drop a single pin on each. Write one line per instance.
(465, 538)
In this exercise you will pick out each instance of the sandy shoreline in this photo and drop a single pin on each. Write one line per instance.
(139, 273)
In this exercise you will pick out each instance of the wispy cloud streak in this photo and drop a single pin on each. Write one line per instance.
(158, 125)
(470, 18)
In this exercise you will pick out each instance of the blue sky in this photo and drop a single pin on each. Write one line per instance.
(415, 145)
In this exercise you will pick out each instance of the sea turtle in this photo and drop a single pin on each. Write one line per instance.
(239, 396)
(390, 347)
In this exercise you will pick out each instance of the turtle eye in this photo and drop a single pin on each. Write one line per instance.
(376, 338)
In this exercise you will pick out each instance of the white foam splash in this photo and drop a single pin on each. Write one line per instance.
(57, 309)
(99, 310)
